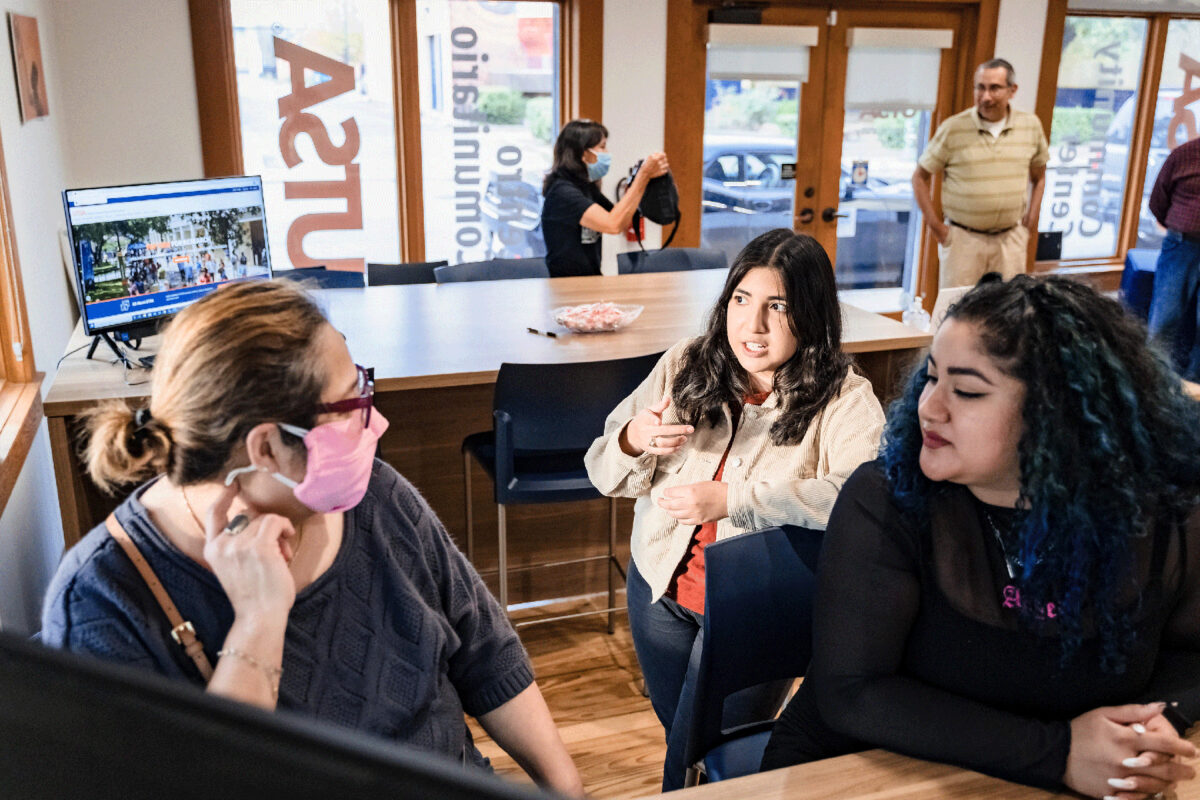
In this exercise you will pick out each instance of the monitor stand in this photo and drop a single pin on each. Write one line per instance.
(121, 356)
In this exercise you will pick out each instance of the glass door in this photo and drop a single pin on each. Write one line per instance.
(763, 84)
(891, 85)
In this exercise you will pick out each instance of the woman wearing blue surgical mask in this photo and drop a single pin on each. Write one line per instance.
(575, 212)
(314, 576)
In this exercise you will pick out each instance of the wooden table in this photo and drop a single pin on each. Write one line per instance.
(436, 350)
(881, 775)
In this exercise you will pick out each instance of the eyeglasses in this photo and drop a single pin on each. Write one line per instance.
(363, 403)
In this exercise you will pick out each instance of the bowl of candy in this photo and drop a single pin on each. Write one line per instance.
(596, 317)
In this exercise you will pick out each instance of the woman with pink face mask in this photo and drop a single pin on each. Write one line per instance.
(308, 574)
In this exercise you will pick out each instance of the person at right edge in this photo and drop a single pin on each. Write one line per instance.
(1175, 203)
(1013, 586)
(988, 155)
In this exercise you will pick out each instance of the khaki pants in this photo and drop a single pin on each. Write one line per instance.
(966, 255)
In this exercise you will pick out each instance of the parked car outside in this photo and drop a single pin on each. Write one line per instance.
(1116, 162)
(744, 195)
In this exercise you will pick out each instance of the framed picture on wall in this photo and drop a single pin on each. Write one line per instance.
(27, 60)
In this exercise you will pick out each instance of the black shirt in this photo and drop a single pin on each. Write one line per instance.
(914, 650)
(571, 249)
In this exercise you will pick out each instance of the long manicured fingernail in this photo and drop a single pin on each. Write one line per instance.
(1140, 761)
(1138, 727)
(1122, 783)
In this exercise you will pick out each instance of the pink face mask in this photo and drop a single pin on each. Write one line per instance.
(340, 456)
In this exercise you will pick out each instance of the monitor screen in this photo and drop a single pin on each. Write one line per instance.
(72, 726)
(144, 252)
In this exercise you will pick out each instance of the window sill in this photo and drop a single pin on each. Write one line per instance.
(20, 415)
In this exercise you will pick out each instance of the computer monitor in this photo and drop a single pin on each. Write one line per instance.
(72, 727)
(144, 252)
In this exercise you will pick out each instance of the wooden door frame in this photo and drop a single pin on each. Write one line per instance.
(975, 42)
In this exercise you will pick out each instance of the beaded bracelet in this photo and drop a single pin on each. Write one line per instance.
(273, 673)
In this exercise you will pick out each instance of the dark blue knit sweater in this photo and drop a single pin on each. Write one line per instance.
(397, 638)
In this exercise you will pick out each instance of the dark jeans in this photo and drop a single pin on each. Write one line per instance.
(1174, 312)
(668, 639)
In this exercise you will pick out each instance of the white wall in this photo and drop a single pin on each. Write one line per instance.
(122, 109)
(131, 91)
(1019, 32)
(635, 68)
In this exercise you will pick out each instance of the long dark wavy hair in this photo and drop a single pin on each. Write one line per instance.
(1110, 448)
(712, 378)
(576, 137)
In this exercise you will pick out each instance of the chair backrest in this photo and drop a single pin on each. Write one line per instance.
(561, 407)
(499, 269)
(758, 600)
(402, 274)
(324, 278)
(671, 259)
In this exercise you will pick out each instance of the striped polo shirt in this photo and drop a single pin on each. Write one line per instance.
(986, 181)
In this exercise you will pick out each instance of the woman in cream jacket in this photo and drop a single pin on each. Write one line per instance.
(756, 422)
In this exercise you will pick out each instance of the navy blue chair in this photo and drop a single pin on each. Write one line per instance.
(1137, 281)
(758, 599)
(324, 278)
(402, 274)
(498, 269)
(545, 418)
(671, 259)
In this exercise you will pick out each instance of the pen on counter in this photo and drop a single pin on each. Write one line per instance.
(551, 334)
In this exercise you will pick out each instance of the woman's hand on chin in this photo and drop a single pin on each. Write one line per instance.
(250, 559)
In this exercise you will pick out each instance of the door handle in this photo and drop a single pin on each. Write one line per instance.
(806, 216)
(830, 214)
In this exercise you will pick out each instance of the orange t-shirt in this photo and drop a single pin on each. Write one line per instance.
(687, 584)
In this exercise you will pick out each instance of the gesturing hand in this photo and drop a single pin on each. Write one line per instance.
(1126, 752)
(250, 559)
(645, 433)
(696, 503)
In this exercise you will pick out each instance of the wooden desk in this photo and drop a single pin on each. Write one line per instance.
(881, 775)
(436, 350)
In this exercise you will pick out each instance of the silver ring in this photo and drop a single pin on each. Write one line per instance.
(237, 525)
(654, 441)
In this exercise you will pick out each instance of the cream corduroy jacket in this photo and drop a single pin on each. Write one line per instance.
(768, 484)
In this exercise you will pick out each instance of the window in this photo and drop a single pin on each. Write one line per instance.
(1117, 114)
(355, 113)
(488, 126)
(1094, 110)
(20, 392)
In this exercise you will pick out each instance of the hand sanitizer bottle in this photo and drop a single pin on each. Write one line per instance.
(916, 316)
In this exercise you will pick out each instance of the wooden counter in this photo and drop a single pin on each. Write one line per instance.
(436, 350)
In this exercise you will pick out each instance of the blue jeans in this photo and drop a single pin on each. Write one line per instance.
(668, 639)
(1174, 313)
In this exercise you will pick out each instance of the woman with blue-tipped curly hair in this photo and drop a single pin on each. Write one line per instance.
(1013, 586)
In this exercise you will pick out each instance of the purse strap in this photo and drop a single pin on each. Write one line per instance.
(182, 631)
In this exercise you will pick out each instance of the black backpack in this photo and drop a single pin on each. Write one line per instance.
(660, 204)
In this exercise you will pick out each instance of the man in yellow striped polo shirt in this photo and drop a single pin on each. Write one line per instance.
(989, 155)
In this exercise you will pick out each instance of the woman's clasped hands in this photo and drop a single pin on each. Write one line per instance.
(1128, 752)
(250, 558)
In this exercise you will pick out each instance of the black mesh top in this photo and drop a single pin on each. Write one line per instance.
(918, 648)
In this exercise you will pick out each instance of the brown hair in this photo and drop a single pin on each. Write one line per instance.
(239, 357)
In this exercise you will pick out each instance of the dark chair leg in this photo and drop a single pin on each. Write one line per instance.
(469, 507)
(502, 536)
(612, 555)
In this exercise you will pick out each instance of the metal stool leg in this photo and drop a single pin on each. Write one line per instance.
(502, 526)
(469, 507)
(612, 554)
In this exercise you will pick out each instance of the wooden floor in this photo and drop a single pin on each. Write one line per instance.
(591, 682)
